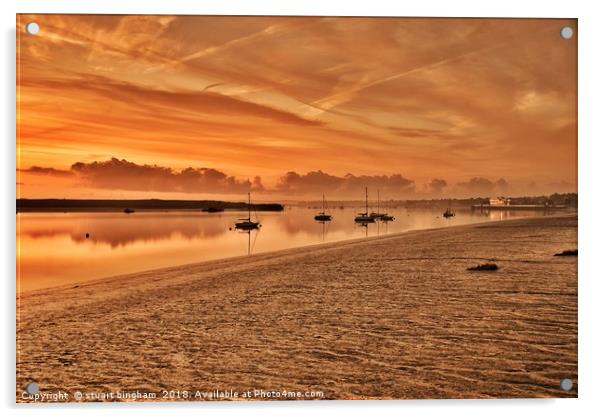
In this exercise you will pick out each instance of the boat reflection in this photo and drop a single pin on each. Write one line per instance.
(325, 226)
(250, 232)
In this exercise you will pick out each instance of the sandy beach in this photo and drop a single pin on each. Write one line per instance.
(393, 317)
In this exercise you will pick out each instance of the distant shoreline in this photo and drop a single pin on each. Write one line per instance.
(554, 202)
(68, 205)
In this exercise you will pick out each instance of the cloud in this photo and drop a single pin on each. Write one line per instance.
(117, 175)
(560, 187)
(502, 185)
(421, 133)
(120, 174)
(47, 171)
(483, 187)
(348, 186)
(477, 186)
(436, 186)
(125, 175)
(200, 102)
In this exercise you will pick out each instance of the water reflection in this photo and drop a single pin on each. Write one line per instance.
(116, 229)
(325, 227)
(53, 248)
(255, 233)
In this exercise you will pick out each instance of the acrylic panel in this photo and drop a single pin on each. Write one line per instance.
(295, 208)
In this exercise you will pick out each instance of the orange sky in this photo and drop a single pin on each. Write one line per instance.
(195, 107)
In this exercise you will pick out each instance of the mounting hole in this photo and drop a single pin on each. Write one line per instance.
(566, 32)
(32, 388)
(32, 28)
(566, 384)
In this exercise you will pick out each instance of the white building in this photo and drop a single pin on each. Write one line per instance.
(499, 201)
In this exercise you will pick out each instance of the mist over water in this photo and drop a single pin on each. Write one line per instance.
(53, 248)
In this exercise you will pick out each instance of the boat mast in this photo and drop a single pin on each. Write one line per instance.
(377, 201)
(249, 206)
(323, 203)
(366, 200)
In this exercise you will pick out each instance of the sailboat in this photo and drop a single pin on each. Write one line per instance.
(322, 216)
(364, 217)
(377, 214)
(386, 217)
(247, 223)
(448, 213)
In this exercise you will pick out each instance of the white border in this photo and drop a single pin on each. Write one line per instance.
(590, 135)
(462, 8)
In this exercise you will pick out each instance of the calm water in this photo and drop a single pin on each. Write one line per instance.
(53, 248)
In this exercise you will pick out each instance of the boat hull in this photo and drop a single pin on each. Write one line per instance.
(323, 217)
(363, 219)
(247, 225)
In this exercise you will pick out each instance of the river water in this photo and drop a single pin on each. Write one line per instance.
(52, 248)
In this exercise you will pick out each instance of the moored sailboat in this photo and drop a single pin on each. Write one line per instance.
(364, 217)
(377, 214)
(322, 216)
(387, 217)
(448, 213)
(247, 223)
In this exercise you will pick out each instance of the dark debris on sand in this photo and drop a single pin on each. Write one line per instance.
(483, 267)
(569, 252)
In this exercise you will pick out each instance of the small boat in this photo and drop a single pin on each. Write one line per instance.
(322, 216)
(386, 217)
(129, 210)
(364, 217)
(247, 223)
(448, 213)
(213, 210)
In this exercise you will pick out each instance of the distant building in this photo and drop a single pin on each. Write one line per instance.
(499, 201)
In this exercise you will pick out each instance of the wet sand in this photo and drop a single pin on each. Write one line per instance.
(397, 316)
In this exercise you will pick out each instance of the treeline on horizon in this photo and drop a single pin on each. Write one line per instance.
(556, 199)
(55, 204)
